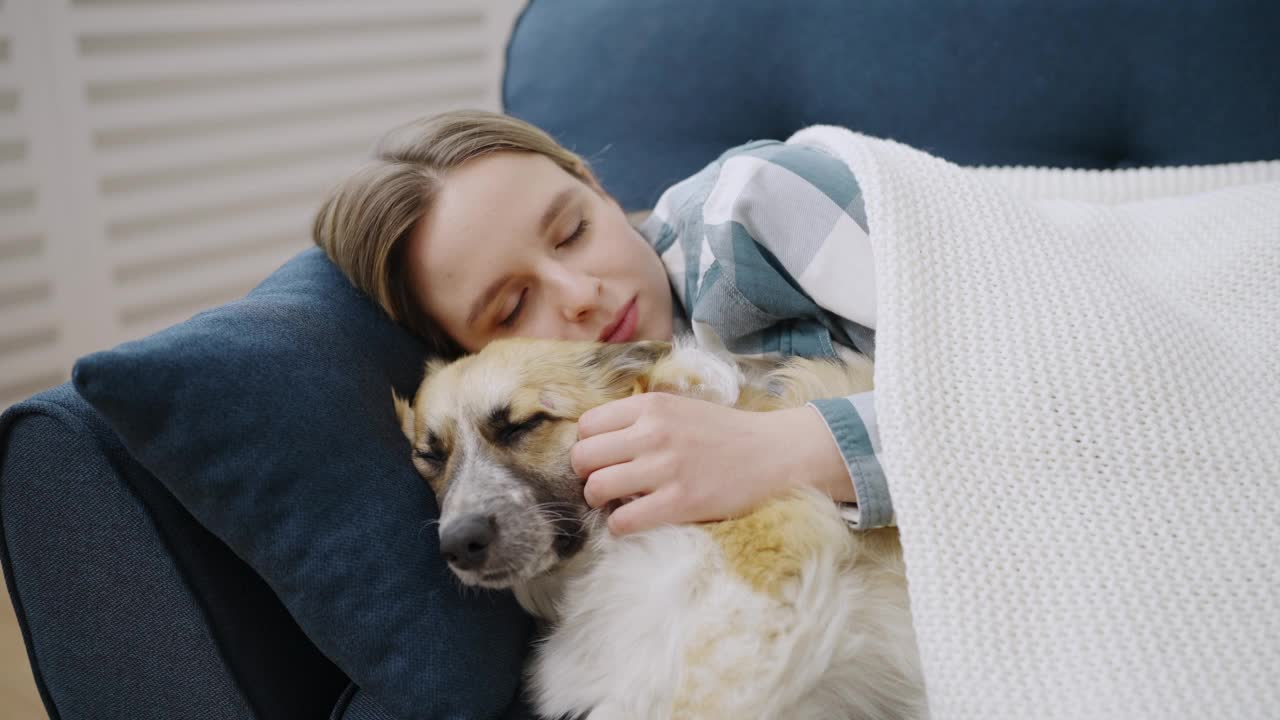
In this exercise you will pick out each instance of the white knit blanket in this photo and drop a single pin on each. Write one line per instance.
(1080, 414)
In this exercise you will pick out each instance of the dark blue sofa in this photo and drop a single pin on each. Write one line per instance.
(130, 608)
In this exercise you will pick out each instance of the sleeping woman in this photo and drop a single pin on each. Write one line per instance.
(471, 226)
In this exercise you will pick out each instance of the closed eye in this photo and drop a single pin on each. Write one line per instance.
(513, 432)
(577, 233)
(431, 456)
(510, 319)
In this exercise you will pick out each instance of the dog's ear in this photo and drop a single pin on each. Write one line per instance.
(404, 406)
(404, 413)
(627, 366)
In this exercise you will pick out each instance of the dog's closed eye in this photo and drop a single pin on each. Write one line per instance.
(429, 455)
(510, 432)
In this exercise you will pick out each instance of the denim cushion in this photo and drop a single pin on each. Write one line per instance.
(270, 419)
(650, 92)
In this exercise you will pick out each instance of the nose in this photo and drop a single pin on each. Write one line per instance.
(464, 543)
(580, 294)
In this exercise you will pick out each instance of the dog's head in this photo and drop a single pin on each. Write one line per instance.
(491, 434)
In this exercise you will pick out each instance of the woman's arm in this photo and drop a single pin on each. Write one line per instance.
(789, 218)
(768, 248)
(689, 460)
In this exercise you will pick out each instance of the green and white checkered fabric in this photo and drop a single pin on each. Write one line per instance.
(767, 252)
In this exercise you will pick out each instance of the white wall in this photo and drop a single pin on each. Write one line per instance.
(158, 157)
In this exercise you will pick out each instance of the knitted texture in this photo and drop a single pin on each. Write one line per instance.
(1080, 417)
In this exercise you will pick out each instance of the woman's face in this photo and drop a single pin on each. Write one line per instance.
(517, 247)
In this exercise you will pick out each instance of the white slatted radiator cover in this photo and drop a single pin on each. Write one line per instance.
(159, 157)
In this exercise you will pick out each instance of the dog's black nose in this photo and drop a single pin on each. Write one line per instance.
(465, 541)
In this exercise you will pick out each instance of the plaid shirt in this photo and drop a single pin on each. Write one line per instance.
(767, 252)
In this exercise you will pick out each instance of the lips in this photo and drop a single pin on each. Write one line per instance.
(623, 326)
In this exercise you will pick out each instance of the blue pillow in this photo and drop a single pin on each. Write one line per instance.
(270, 419)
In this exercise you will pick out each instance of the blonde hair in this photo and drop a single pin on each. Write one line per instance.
(364, 223)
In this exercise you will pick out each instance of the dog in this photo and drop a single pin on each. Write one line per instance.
(782, 613)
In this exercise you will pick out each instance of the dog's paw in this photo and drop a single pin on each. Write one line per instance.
(696, 373)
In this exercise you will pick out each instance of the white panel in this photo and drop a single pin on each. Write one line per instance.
(159, 157)
(199, 223)
(30, 328)
(9, 127)
(170, 207)
(202, 68)
(161, 163)
(186, 288)
(94, 20)
(27, 310)
(176, 279)
(216, 235)
(30, 360)
(20, 269)
(319, 88)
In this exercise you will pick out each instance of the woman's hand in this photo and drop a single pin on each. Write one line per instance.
(690, 460)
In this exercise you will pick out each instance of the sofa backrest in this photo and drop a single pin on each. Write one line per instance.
(649, 92)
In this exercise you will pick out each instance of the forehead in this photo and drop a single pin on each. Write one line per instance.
(489, 204)
(521, 374)
(468, 392)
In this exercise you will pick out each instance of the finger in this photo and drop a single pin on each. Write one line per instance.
(601, 451)
(611, 416)
(657, 508)
(615, 482)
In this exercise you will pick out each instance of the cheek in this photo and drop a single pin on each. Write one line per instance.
(624, 251)
(543, 323)
(438, 493)
(639, 253)
(438, 488)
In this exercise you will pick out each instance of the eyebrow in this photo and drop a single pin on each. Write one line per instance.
(557, 206)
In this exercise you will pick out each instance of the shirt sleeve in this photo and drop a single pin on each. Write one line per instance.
(772, 232)
(852, 422)
(804, 207)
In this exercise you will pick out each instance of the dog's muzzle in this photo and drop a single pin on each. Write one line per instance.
(464, 543)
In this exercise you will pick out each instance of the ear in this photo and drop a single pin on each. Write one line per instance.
(405, 414)
(629, 366)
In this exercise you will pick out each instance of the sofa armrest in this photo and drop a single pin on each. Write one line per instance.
(128, 607)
